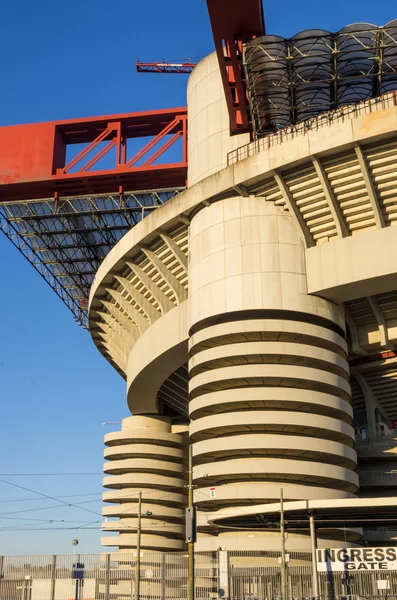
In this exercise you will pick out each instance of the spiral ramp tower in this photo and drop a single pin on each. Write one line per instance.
(146, 457)
(268, 376)
(234, 310)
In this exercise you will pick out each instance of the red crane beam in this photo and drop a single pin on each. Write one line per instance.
(235, 22)
(164, 67)
(33, 158)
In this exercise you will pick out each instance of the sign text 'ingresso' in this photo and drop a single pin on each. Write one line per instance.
(357, 559)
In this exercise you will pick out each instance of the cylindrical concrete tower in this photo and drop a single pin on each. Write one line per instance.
(269, 381)
(146, 456)
(209, 125)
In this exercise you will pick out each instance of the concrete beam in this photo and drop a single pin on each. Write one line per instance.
(330, 198)
(175, 285)
(379, 220)
(294, 210)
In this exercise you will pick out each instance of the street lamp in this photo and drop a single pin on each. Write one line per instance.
(76, 565)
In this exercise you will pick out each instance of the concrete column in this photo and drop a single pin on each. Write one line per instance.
(148, 455)
(269, 381)
(371, 405)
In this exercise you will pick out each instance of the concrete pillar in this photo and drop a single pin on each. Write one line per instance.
(269, 381)
(371, 406)
(148, 455)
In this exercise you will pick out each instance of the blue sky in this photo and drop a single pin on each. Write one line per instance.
(68, 60)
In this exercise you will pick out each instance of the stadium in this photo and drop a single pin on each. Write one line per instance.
(247, 294)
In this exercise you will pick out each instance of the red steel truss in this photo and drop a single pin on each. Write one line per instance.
(233, 23)
(165, 67)
(34, 164)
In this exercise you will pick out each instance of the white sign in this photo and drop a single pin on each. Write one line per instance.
(212, 493)
(357, 559)
(383, 584)
(223, 574)
(280, 560)
(149, 573)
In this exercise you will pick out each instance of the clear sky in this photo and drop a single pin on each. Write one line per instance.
(64, 60)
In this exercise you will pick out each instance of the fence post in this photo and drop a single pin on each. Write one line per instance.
(314, 556)
(163, 575)
(107, 583)
(1, 572)
(283, 563)
(53, 576)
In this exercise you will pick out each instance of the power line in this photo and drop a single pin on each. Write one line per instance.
(76, 504)
(47, 496)
(47, 474)
(41, 500)
(129, 495)
(44, 520)
(24, 528)
(87, 525)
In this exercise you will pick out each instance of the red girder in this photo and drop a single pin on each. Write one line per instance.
(33, 157)
(150, 145)
(233, 23)
(163, 148)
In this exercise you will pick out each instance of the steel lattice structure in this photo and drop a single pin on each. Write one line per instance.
(66, 241)
(181, 68)
(291, 80)
(40, 160)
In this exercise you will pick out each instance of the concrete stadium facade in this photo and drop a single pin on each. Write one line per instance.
(256, 312)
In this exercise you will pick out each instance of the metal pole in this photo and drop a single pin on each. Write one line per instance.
(76, 558)
(53, 577)
(77, 571)
(282, 532)
(138, 550)
(190, 545)
(163, 575)
(1, 572)
(314, 556)
(107, 582)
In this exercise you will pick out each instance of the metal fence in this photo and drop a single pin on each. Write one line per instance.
(314, 124)
(227, 575)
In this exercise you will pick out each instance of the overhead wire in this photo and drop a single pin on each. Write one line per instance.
(47, 474)
(41, 499)
(47, 496)
(45, 520)
(129, 495)
(25, 510)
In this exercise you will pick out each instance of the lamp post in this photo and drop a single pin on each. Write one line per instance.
(283, 561)
(138, 550)
(190, 542)
(314, 555)
(76, 558)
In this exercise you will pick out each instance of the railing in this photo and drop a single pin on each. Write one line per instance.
(231, 575)
(382, 438)
(389, 442)
(378, 474)
(327, 119)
